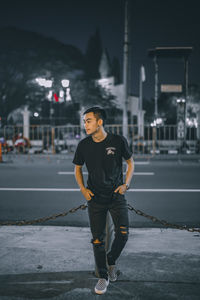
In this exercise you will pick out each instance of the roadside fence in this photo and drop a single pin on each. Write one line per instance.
(64, 139)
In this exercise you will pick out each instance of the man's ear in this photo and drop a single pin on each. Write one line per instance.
(100, 122)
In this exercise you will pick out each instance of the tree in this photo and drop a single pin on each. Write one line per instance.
(193, 101)
(25, 56)
(167, 109)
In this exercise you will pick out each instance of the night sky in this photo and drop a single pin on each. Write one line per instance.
(154, 23)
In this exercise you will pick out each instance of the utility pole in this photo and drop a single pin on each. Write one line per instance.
(126, 67)
(156, 88)
(140, 106)
(186, 97)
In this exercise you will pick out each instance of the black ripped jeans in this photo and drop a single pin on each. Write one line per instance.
(97, 215)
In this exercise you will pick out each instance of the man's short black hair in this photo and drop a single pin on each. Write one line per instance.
(98, 112)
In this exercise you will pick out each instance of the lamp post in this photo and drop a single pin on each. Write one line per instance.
(64, 95)
(65, 85)
(181, 118)
(47, 84)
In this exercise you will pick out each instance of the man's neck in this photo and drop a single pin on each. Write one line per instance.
(99, 136)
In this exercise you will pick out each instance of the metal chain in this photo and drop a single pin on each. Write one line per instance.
(163, 222)
(84, 206)
(52, 217)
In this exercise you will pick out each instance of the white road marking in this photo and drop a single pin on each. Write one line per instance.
(166, 190)
(85, 173)
(139, 162)
(78, 190)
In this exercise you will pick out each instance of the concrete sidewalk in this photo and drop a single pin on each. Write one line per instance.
(53, 262)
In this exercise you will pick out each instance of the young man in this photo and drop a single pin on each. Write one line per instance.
(102, 153)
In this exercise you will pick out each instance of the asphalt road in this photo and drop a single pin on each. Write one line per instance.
(169, 190)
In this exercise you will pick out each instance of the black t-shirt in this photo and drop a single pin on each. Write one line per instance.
(104, 164)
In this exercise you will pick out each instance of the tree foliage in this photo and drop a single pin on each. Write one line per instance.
(25, 56)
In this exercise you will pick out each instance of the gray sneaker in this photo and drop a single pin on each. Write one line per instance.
(112, 273)
(101, 286)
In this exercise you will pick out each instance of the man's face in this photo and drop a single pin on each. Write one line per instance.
(90, 122)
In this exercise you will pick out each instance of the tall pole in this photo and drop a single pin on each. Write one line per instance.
(140, 89)
(186, 96)
(140, 104)
(126, 67)
(156, 87)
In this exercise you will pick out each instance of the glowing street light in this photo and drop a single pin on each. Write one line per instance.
(50, 95)
(180, 100)
(158, 121)
(61, 96)
(68, 96)
(64, 94)
(48, 83)
(65, 83)
(44, 82)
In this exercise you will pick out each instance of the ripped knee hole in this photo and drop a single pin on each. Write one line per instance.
(97, 242)
(123, 230)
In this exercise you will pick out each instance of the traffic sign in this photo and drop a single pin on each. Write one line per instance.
(171, 88)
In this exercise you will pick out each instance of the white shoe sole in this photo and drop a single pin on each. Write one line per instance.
(101, 292)
(112, 280)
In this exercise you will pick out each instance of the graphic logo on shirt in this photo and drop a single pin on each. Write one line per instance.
(110, 150)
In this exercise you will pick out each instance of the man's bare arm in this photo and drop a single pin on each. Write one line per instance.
(129, 170)
(79, 179)
(79, 176)
(129, 173)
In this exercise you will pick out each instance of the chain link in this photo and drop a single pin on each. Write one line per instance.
(84, 206)
(41, 220)
(163, 222)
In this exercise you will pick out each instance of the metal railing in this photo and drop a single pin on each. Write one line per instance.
(55, 139)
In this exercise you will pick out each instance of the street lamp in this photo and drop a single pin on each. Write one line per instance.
(64, 95)
(44, 82)
(156, 122)
(65, 84)
(181, 100)
(181, 124)
(47, 83)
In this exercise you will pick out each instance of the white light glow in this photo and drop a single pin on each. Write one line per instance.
(68, 96)
(48, 83)
(191, 122)
(40, 81)
(180, 100)
(61, 94)
(36, 114)
(49, 96)
(65, 82)
(44, 82)
(158, 121)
